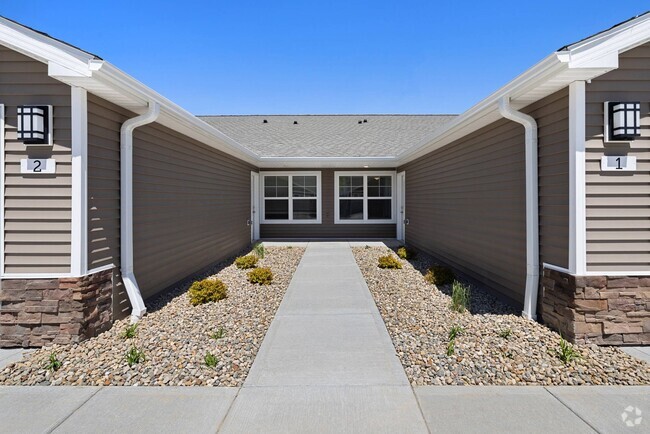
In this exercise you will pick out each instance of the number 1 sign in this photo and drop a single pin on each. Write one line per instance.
(618, 163)
(38, 166)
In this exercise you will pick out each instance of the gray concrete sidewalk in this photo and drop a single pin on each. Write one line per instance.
(326, 365)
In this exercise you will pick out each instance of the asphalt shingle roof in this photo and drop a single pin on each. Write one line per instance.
(328, 135)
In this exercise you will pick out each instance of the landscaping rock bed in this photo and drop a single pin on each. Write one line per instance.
(419, 319)
(175, 337)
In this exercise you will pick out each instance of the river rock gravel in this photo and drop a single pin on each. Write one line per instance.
(418, 318)
(175, 337)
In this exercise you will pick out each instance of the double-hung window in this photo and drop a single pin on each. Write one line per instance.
(364, 197)
(291, 197)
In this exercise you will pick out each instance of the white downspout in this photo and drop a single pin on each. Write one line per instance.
(126, 202)
(532, 205)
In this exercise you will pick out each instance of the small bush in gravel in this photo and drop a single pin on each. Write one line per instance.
(130, 331)
(389, 261)
(451, 347)
(460, 297)
(53, 362)
(405, 253)
(259, 250)
(505, 333)
(260, 276)
(207, 290)
(218, 334)
(565, 352)
(134, 356)
(210, 360)
(245, 262)
(439, 275)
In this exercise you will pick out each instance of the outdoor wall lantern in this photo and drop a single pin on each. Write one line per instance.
(622, 121)
(35, 124)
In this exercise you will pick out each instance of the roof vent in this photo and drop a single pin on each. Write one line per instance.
(365, 121)
(265, 121)
(360, 122)
(295, 122)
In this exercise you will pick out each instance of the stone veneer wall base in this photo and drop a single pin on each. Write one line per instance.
(38, 312)
(605, 310)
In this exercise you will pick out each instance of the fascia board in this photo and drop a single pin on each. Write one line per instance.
(43, 48)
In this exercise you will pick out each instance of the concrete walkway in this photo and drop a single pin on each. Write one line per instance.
(326, 365)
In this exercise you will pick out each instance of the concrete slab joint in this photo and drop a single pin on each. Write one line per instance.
(605, 310)
(37, 312)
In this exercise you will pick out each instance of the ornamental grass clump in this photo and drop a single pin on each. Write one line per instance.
(260, 276)
(389, 261)
(245, 262)
(134, 356)
(460, 295)
(207, 290)
(439, 275)
(259, 250)
(53, 363)
(566, 352)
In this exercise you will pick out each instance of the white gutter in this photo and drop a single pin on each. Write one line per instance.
(532, 205)
(126, 202)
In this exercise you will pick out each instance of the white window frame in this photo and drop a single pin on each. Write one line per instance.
(365, 221)
(291, 220)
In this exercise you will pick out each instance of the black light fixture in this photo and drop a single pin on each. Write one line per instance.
(34, 124)
(623, 120)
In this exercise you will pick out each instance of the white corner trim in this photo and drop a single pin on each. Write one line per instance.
(291, 221)
(79, 227)
(577, 179)
(2, 189)
(365, 174)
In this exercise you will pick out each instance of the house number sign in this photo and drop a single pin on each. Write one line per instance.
(617, 163)
(38, 165)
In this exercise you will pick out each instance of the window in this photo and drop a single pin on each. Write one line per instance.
(291, 197)
(365, 197)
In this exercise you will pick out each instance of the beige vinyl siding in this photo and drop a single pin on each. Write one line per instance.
(37, 207)
(191, 206)
(104, 123)
(327, 229)
(618, 205)
(552, 116)
(466, 205)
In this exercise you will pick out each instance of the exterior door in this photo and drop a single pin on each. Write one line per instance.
(401, 206)
(254, 220)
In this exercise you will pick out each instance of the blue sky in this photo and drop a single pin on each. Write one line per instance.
(312, 57)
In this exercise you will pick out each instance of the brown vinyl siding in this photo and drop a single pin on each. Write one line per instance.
(37, 207)
(327, 229)
(466, 205)
(191, 206)
(552, 116)
(618, 204)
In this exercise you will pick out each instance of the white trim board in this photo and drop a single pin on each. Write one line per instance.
(79, 196)
(2, 189)
(577, 179)
(365, 174)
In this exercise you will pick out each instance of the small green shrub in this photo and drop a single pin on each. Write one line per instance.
(261, 276)
(460, 295)
(405, 253)
(134, 356)
(245, 262)
(259, 250)
(439, 275)
(455, 331)
(130, 331)
(218, 334)
(53, 362)
(389, 261)
(505, 333)
(207, 290)
(566, 353)
(210, 360)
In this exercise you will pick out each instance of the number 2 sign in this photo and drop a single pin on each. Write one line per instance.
(38, 165)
